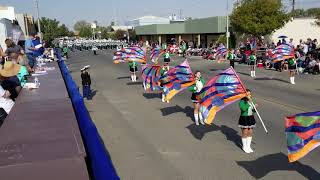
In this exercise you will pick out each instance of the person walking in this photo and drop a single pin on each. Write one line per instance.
(86, 82)
(292, 66)
(247, 121)
(196, 88)
(252, 61)
(133, 68)
(231, 57)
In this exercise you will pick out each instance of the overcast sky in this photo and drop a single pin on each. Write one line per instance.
(105, 11)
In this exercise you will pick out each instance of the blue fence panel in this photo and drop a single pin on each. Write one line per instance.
(100, 162)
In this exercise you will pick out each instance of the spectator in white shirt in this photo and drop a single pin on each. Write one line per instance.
(6, 104)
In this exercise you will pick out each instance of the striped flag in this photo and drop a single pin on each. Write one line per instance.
(134, 53)
(282, 52)
(303, 134)
(176, 80)
(222, 90)
(155, 54)
(151, 75)
(221, 51)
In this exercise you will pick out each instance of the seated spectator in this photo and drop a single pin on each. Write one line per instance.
(310, 67)
(316, 68)
(13, 48)
(11, 70)
(6, 104)
(21, 60)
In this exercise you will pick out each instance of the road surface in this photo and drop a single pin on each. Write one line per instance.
(148, 139)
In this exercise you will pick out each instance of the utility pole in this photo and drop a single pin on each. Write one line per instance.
(180, 13)
(227, 33)
(38, 16)
(293, 5)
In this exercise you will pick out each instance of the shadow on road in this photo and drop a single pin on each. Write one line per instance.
(276, 162)
(246, 74)
(93, 93)
(124, 77)
(152, 95)
(199, 132)
(216, 69)
(267, 78)
(176, 109)
(134, 83)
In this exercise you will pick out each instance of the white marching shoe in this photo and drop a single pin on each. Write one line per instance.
(245, 146)
(249, 139)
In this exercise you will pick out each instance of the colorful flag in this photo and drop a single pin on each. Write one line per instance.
(134, 53)
(151, 75)
(222, 90)
(221, 51)
(303, 134)
(282, 52)
(176, 80)
(155, 54)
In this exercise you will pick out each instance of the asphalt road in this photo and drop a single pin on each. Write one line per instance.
(148, 139)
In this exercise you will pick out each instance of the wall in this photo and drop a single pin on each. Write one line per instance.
(7, 12)
(299, 28)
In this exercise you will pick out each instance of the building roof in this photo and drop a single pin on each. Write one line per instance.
(210, 25)
(125, 28)
(148, 17)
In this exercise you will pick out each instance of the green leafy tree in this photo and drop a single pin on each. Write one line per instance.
(258, 17)
(84, 28)
(85, 32)
(51, 29)
(297, 13)
(119, 34)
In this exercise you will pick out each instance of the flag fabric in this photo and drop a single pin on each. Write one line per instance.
(282, 52)
(303, 134)
(176, 80)
(221, 51)
(155, 54)
(151, 75)
(134, 53)
(222, 90)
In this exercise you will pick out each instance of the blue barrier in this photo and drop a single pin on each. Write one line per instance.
(101, 165)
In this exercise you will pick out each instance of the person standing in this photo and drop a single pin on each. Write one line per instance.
(133, 68)
(86, 82)
(30, 49)
(163, 71)
(247, 121)
(292, 69)
(252, 61)
(231, 57)
(196, 88)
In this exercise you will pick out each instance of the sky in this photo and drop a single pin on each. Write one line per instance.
(106, 11)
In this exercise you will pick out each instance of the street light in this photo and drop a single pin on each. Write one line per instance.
(227, 33)
(38, 16)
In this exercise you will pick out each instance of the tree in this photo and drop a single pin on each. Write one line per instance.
(258, 17)
(119, 34)
(51, 29)
(80, 25)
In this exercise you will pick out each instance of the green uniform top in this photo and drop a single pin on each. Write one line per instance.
(166, 55)
(230, 56)
(133, 64)
(183, 47)
(163, 71)
(245, 108)
(193, 88)
(291, 62)
(164, 46)
(252, 58)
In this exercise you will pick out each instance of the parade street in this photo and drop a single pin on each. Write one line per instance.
(148, 139)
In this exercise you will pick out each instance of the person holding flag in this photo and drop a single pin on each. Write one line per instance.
(247, 121)
(252, 62)
(163, 71)
(195, 89)
(133, 68)
(292, 68)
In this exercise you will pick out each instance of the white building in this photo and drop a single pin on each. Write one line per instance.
(299, 28)
(148, 20)
(7, 13)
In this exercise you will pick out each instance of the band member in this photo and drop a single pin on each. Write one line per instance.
(196, 88)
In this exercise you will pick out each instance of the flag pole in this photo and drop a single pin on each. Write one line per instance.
(250, 102)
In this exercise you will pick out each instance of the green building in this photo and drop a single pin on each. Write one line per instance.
(199, 31)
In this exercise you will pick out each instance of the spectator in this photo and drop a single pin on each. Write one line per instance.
(13, 48)
(305, 48)
(316, 69)
(279, 43)
(14, 72)
(86, 82)
(29, 49)
(39, 47)
(291, 43)
(6, 104)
